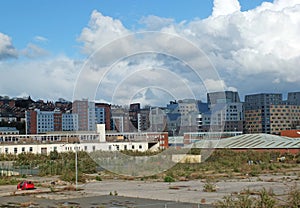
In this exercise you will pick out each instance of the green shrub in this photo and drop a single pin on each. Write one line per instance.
(98, 178)
(169, 179)
(266, 199)
(294, 197)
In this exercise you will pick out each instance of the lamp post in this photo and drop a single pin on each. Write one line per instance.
(76, 168)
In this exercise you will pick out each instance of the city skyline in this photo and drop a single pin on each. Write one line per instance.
(221, 93)
(254, 47)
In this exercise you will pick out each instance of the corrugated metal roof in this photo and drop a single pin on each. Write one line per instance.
(252, 141)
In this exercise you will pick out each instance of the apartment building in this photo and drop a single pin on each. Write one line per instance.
(39, 122)
(86, 114)
(257, 111)
(226, 112)
(284, 117)
(103, 115)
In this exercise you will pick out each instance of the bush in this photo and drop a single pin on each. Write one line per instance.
(266, 199)
(98, 178)
(294, 197)
(8, 181)
(169, 179)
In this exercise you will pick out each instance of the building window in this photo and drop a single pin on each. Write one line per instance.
(23, 149)
(140, 147)
(30, 149)
(6, 150)
(94, 148)
(15, 150)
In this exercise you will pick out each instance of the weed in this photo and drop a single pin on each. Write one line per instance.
(169, 179)
(210, 187)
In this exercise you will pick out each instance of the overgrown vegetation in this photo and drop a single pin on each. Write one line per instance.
(221, 163)
(260, 199)
(62, 164)
(228, 163)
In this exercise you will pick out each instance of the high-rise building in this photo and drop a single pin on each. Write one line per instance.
(222, 97)
(143, 120)
(103, 115)
(226, 112)
(293, 98)
(284, 117)
(86, 114)
(134, 110)
(257, 111)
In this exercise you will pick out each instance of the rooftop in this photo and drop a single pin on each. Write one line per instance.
(251, 141)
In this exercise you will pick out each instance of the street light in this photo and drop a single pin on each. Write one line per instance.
(76, 170)
(76, 165)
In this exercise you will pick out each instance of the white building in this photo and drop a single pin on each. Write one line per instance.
(81, 141)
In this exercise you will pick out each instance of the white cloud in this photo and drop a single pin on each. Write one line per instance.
(225, 7)
(7, 50)
(217, 85)
(39, 38)
(100, 31)
(34, 51)
(156, 23)
(46, 79)
(253, 51)
(253, 44)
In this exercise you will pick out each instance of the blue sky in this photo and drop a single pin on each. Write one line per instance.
(254, 45)
(61, 22)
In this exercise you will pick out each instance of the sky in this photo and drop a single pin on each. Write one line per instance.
(55, 49)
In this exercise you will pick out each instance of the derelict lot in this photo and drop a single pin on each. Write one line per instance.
(136, 193)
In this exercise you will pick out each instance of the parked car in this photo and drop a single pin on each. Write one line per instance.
(24, 185)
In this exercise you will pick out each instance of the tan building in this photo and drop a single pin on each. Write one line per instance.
(283, 117)
(253, 121)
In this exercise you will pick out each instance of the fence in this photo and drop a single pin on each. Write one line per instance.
(7, 168)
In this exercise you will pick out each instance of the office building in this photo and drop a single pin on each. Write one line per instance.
(257, 111)
(226, 112)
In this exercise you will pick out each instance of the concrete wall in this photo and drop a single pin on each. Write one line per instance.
(183, 158)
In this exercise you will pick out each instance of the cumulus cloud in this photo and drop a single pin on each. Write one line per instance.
(100, 31)
(262, 43)
(225, 7)
(252, 51)
(260, 46)
(151, 60)
(153, 22)
(47, 79)
(7, 50)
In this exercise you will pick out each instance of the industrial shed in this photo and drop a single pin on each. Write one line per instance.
(256, 142)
